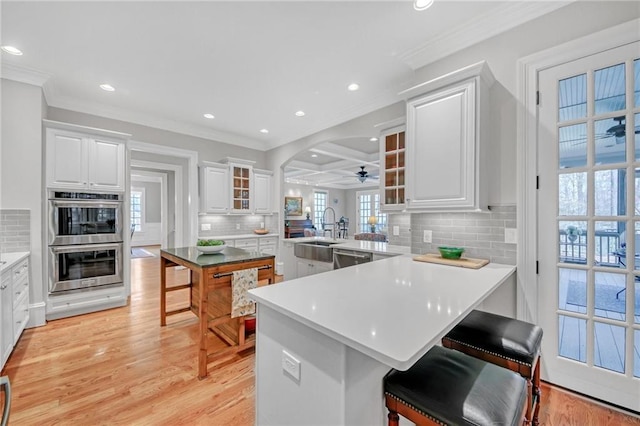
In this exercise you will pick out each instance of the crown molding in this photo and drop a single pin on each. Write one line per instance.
(24, 74)
(479, 29)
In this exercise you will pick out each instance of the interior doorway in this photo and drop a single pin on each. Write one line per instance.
(175, 171)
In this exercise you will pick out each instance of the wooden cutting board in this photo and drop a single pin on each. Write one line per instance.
(463, 262)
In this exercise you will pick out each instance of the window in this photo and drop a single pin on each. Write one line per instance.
(319, 205)
(137, 208)
(368, 204)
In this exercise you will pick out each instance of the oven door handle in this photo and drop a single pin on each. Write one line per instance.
(88, 203)
(84, 248)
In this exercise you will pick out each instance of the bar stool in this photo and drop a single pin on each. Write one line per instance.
(448, 387)
(506, 342)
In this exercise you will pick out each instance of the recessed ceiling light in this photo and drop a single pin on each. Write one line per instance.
(422, 4)
(353, 87)
(314, 155)
(209, 116)
(265, 131)
(12, 50)
(373, 139)
(300, 113)
(107, 87)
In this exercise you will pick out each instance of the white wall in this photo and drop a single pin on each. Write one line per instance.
(22, 176)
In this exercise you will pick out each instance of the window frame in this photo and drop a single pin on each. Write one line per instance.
(139, 227)
(374, 206)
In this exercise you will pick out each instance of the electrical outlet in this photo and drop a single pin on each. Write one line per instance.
(427, 236)
(205, 227)
(261, 225)
(396, 230)
(237, 226)
(290, 365)
(511, 235)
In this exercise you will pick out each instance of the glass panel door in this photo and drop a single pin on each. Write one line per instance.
(589, 225)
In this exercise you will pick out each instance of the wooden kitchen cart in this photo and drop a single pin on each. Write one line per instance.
(210, 295)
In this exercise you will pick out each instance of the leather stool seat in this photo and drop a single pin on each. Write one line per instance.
(505, 337)
(449, 387)
(504, 341)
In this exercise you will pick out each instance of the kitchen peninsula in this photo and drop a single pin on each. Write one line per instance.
(210, 294)
(337, 334)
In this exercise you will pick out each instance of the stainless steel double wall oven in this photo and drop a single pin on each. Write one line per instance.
(85, 239)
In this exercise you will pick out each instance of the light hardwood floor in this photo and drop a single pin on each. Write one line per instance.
(119, 367)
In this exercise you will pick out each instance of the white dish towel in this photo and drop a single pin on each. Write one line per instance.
(243, 280)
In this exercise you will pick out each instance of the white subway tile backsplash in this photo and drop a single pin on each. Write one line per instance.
(15, 230)
(480, 233)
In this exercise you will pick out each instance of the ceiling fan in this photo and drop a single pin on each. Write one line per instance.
(362, 174)
(617, 131)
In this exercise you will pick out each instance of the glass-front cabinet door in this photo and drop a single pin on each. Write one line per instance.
(392, 182)
(241, 190)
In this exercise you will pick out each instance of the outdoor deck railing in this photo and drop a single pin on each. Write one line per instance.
(573, 249)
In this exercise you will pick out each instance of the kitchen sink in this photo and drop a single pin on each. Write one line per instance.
(315, 250)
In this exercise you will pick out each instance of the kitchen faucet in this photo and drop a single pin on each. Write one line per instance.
(333, 221)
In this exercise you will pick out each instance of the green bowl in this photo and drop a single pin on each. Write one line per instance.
(451, 252)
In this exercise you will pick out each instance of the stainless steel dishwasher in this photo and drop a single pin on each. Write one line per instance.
(343, 258)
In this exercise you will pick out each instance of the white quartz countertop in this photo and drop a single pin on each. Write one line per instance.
(373, 247)
(392, 310)
(359, 245)
(237, 236)
(8, 260)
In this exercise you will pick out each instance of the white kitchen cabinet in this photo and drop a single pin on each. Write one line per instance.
(445, 142)
(268, 245)
(233, 186)
(262, 191)
(82, 158)
(14, 306)
(288, 259)
(99, 298)
(214, 188)
(20, 290)
(6, 313)
(249, 244)
(305, 267)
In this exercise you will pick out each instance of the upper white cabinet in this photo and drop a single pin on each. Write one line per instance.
(83, 158)
(214, 188)
(234, 187)
(445, 133)
(262, 191)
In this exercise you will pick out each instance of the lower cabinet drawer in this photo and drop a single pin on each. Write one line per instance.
(249, 243)
(20, 288)
(20, 317)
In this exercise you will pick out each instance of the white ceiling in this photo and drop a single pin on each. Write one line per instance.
(251, 64)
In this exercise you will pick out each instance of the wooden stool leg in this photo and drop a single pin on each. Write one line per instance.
(529, 413)
(394, 419)
(537, 391)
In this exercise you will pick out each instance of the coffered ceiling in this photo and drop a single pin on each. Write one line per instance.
(251, 64)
